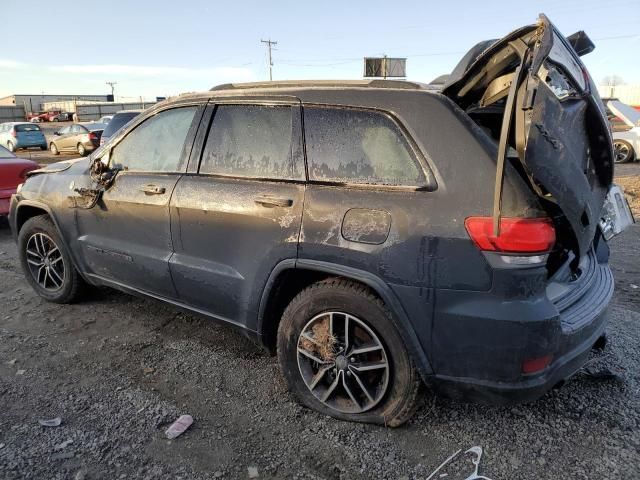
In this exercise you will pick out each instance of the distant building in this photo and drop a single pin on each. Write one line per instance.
(33, 103)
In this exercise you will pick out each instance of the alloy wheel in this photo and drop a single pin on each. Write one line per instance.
(342, 362)
(44, 259)
(621, 152)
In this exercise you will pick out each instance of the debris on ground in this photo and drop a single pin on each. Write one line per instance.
(21, 372)
(12, 361)
(63, 445)
(601, 373)
(253, 472)
(178, 427)
(477, 456)
(148, 370)
(1, 446)
(53, 422)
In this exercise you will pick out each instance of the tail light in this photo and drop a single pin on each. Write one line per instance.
(13, 133)
(92, 136)
(534, 365)
(517, 235)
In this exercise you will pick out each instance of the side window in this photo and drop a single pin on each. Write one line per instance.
(78, 129)
(65, 130)
(156, 144)
(251, 141)
(358, 146)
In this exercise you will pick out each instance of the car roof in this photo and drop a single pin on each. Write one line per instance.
(124, 111)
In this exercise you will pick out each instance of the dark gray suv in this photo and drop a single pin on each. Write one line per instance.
(376, 234)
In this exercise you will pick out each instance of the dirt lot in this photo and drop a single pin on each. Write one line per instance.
(119, 369)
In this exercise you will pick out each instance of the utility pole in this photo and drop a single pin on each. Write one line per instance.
(112, 85)
(269, 43)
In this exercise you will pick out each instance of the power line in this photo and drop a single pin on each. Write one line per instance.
(269, 43)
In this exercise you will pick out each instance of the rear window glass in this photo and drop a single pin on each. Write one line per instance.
(358, 146)
(27, 127)
(250, 141)
(119, 120)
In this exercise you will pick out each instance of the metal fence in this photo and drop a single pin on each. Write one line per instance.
(97, 110)
(94, 110)
(10, 113)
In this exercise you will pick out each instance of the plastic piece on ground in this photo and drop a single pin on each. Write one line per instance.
(179, 426)
(53, 422)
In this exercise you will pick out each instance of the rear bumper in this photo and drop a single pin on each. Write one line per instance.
(480, 341)
(528, 388)
(31, 143)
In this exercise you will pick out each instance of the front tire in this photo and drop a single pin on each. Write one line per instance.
(623, 152)
(46, 263)
(342, 356)
(54, 149)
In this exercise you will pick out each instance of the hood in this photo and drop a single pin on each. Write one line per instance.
(624, 112)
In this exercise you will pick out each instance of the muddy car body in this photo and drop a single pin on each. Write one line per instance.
(373, 232)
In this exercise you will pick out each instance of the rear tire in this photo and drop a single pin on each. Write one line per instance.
(54, 150)
(11, 147)
(347, 383)
(623, 152)
(81, 150)
(46, 263)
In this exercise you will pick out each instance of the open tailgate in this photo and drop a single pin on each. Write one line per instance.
(556, 122)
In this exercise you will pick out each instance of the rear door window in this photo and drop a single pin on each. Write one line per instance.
(251, 141)
(358, 146)
(156, 144)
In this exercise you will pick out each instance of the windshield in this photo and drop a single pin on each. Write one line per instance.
(118, 121)
(4, 153)
(27, 127)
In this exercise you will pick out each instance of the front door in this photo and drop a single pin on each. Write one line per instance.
(126, 238)
(240, 215)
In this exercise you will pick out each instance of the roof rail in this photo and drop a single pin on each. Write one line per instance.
(322, 83)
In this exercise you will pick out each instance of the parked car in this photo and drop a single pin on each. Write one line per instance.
(13, 171)
(373, 233)
(18, 135)
(83, 138)
(61, 117)
(106, 119)
(119, 120)
(625, 121)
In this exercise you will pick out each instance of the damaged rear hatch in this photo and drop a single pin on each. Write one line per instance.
(534, 96)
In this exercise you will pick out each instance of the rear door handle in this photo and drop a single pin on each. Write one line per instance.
(153, 190)
(267, 201)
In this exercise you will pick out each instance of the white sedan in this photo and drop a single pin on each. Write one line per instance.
(626, 135)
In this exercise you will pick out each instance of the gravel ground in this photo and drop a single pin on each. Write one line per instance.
(118, 370)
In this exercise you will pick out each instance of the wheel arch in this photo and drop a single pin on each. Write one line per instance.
(291, 276)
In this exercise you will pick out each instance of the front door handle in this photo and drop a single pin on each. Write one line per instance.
(267, 201)
(153, 190)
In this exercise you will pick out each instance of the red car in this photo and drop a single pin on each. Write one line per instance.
(13, 171)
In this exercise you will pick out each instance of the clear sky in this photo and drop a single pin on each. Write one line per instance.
(164, 47)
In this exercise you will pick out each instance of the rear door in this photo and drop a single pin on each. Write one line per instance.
(238, 214)
(558, 123)
(126, 238)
